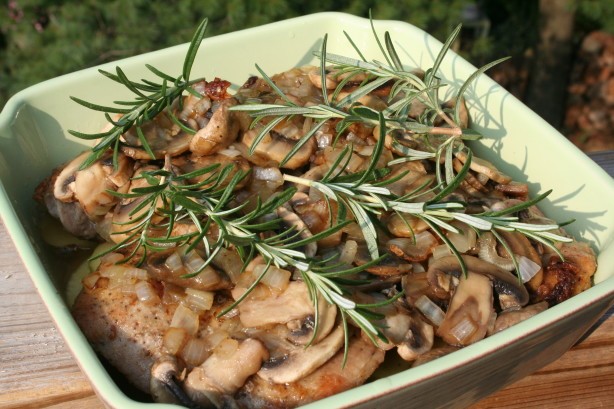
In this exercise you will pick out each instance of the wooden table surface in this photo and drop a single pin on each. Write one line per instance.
(38, 371)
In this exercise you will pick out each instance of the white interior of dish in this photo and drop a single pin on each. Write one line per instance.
(34, 138)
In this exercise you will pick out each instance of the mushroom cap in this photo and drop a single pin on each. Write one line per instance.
(266, 311)
(470, 311)
(418, 339)
(224, 372)
(63, 186)
(275, 147)
(221, 130)
(504, 282)
(163, 136)
(303, 361)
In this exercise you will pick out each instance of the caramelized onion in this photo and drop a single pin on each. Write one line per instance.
(174, 339)
(348, 253)
(430, 310)
(198, 299)
(195, 351)
(275, 278)
(174, 263)
(463, 330)
(185, 318)
(527, 268)
(193, 262)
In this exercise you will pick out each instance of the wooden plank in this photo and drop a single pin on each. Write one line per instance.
(36, 367)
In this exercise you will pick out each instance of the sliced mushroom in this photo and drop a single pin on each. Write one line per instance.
(394, 327)
(370, 100)
(417, 284)
(413, 176)
(164, 383)
(521, 246)
(418, 339)
(291, 219)
(504, 204)
(127, 214)
(91, 186)
(316, 216)
(336, 375)
(465, 240)
(316, 79)
(275, 147)
(63, 186)
(70, 214)
(404, 225)
(512, 317)
(469, 312)
(225, 371)
(314, 173)
(391, 266)
(163, 136)
(471, 183)
(302, 361)
(295, 83)
(514, 189)
(511, 292)
(304, 333)
(195, 109)
(417, 249)
(487, 250)
(222, 130)
(266, 311)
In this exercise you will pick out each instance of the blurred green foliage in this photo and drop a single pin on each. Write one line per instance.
(41, 39)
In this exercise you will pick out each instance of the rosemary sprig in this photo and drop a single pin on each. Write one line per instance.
(151, 98)
(370, 198)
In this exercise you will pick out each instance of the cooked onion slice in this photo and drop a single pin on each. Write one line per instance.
(430, 310)
(465, 239)
(174, 339)
(193, 262)
(174, 263)
(275, 278)
(198, 299)
(527, 268)
(463, 330)
(348, 253)
(195, 351)
(185, 318)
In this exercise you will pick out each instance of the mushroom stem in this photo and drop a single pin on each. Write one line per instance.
(165, 387)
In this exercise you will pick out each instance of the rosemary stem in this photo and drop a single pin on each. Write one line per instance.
(454, 131)
(298, 180)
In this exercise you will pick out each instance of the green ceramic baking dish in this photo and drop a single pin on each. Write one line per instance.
(34, 139)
